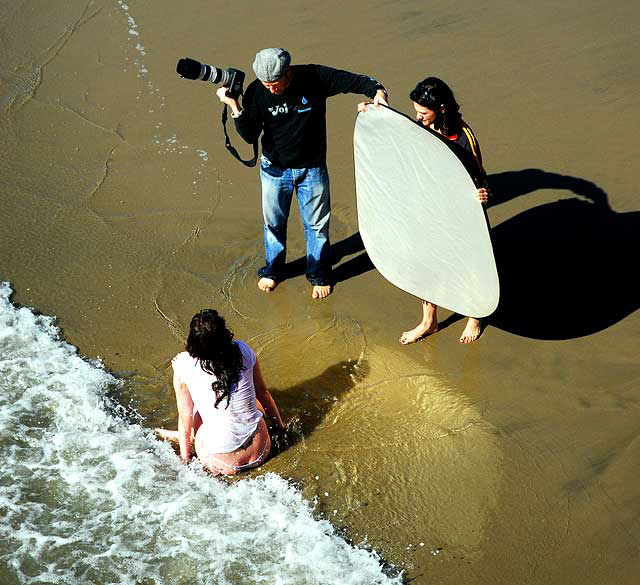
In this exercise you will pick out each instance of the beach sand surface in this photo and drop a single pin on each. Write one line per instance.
(514, 460)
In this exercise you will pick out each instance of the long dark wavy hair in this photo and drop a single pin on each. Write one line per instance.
(435, 94)
(211, 343)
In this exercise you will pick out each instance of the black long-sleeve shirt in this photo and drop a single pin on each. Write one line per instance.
(466, 146)
(294, 123)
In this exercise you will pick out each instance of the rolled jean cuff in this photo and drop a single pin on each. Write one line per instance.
(324, 279)
(264, 272)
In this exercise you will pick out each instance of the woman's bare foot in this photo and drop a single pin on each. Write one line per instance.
(422, 330)
(321, 291)
(267, 284)
(472, 331)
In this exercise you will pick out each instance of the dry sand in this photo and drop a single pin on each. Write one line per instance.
(515, 460)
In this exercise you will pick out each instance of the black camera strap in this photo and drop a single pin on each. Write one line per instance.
(232, 149)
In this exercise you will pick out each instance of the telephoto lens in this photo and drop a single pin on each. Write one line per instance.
(232, 79)
(192, 69)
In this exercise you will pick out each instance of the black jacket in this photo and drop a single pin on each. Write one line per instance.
(293, 123)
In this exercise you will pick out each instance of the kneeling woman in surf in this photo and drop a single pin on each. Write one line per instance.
(222, 399)
(436, 108)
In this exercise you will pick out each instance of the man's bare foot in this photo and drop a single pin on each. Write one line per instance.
(417, 333)
(267, 284)
(472, 331)
(321, 291)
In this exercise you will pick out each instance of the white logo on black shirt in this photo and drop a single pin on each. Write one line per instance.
(275, 110)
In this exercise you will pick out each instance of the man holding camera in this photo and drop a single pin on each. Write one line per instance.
(287, 104)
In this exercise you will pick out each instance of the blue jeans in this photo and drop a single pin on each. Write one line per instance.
(312, 190)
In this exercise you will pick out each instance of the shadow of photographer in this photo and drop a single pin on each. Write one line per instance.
(346, 247)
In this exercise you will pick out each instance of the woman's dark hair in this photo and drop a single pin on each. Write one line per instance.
(211, 343)
(435, 94)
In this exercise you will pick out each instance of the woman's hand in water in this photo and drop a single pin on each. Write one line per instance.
(276, 424)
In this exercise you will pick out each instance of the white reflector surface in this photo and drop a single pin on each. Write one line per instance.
(420, 222)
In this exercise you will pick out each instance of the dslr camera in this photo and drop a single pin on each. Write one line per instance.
(232, 79)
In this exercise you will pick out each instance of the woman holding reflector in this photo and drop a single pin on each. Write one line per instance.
(437, 109)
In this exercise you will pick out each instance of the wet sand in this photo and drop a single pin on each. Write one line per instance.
(515, 460)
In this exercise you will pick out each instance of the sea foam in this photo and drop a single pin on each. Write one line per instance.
(86, 497)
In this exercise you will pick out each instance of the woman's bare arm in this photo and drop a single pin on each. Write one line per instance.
(265, 398)
(185, 417)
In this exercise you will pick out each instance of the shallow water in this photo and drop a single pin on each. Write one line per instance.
(90, 498)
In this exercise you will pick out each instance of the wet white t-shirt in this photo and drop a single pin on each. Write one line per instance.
(228, 427)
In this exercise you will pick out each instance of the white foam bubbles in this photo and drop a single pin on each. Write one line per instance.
(89, 498)
(138, 46)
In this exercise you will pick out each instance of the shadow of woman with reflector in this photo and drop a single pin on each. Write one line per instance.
(564, 267)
